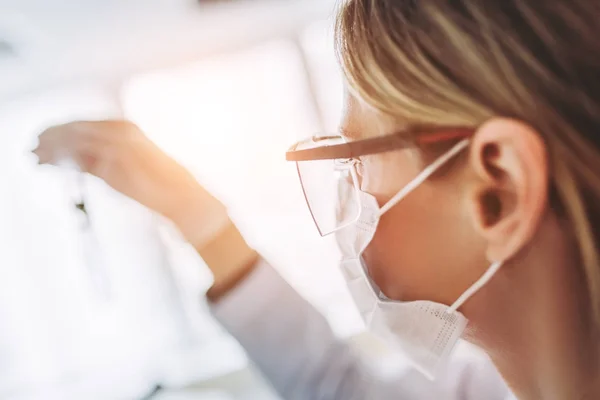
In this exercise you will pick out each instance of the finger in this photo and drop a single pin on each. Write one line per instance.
(53, 144)
(106, 130)
(64, 134)
(95, 146)
(73, 140)
(87, 155)
(43, 156)
(110, 131)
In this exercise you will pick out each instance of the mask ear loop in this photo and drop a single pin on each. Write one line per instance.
(412, 185)
(481, 282)
(424, 175)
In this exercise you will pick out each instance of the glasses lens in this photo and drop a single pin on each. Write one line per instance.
(329, 188)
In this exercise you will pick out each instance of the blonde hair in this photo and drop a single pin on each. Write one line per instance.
(461, 62)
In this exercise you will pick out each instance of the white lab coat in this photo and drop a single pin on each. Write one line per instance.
(294, 347)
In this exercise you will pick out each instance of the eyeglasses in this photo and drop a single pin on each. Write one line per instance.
(327, 168)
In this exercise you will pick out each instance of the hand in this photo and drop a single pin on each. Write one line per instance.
(119, 153)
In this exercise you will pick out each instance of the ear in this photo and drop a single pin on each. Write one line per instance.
(510, 195)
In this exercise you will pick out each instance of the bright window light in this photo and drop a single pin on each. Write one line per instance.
(58, 328)
(230, 120)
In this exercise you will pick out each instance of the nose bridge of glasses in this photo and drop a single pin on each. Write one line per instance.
(345, 163)
(346, 169)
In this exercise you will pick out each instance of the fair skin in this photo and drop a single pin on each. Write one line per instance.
(531, 317)
(492, 205)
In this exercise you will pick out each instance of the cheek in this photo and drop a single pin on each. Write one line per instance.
(385, 174)
(423, 248)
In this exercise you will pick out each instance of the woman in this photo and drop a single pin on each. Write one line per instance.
(470, 191)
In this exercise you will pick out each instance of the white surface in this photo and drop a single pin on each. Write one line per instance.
(246, 384)
(193, 395)
(230, 119)
(134, 377)
(61, 42)
(58, 339)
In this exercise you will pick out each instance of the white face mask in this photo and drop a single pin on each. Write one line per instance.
(424, 330)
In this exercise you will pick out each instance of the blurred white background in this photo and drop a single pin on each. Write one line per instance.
(109, 311)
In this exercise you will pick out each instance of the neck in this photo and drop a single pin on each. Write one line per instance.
(539, 334)
(547, 356)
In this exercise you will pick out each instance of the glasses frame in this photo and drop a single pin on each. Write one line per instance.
(352, 150)
(381, 144)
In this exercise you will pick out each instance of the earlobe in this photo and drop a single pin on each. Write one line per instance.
(510, 194)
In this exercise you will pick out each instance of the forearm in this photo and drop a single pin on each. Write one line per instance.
(230, 259)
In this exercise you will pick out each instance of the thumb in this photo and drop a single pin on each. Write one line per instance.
(46, 155)
(79, 160)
